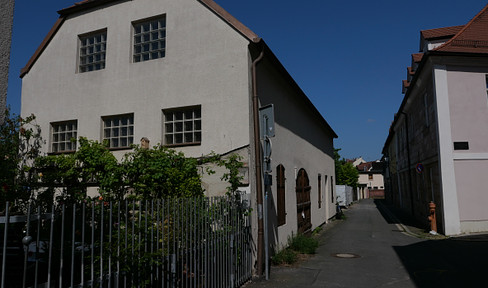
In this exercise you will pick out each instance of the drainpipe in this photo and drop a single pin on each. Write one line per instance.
(408, 162)
(257, 161)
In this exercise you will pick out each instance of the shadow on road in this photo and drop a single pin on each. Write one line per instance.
(400, 215)
(453, 262)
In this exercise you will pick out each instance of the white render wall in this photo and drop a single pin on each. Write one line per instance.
(468, 107)
(300, 142)
(206, 64)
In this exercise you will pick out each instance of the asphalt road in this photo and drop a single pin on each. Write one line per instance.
(379, 254)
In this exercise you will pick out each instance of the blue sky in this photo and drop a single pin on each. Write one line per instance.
(349, 57)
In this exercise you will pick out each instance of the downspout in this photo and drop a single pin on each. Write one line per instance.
(408, 162)
(257, 161)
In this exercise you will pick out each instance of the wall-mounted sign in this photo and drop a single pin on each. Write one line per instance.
(419, 168)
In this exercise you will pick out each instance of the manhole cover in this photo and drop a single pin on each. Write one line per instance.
(345, 255)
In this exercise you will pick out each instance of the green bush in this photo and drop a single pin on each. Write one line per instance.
(303, 244)
(285, 256)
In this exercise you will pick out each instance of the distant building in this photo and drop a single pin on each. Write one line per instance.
(437, 147)
(6, 22)
(371, 183)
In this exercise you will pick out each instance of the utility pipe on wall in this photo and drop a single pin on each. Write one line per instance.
(257, 161)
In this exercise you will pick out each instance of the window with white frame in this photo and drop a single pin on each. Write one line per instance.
(93, 48)
(118, 131)
(183, 126)
(63, 136)
(149, 39)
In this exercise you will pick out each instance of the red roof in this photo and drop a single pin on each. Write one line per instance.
(417, 57)
(473, 38)
(444, 32)
(405, 85)
(410, 71)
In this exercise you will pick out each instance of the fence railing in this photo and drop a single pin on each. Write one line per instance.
(202, 242)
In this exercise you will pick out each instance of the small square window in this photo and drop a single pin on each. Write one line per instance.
(182, 126)
(149, 39)
(118, 131)
(64, 136)
(92, 51)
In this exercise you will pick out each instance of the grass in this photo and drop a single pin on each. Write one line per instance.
(298, 244)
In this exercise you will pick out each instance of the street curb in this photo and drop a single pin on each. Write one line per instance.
(397, 221)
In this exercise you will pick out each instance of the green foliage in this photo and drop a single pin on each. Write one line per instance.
(20, 142)
(92, 164)
(297, 244)
(233, 164)
(285, 256)
(161, 172)
(303, 244)
(141, 174)
(346, 173)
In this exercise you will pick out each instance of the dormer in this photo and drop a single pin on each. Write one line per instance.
(433, 38)
(405, 85)
(416, 59)
(410, 73)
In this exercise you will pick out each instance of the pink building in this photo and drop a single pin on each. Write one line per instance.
(437, 148)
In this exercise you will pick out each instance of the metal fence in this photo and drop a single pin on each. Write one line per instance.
(203, 242)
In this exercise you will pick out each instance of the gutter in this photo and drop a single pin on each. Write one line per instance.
(257, 161)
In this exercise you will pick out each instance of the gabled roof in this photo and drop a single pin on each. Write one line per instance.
(90, 4)
(472, 38)
(440, 33)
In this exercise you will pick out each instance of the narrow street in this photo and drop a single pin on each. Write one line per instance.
(377, 253)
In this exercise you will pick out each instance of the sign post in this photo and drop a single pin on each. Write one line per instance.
(267, 130)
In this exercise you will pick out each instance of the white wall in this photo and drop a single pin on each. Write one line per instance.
(206, 64)
(300, 142)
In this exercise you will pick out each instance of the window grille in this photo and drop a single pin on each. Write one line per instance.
(92, 52)
(183, 126)
(149, 39)
(63, 136)
(118, 131)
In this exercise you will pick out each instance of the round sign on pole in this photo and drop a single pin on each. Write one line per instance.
(419, 168)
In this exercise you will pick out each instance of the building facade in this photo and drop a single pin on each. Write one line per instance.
(436, 150)
(183, 73)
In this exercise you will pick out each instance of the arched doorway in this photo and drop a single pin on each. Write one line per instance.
(304, 216)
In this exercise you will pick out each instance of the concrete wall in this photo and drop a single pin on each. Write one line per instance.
(6, 22)
(300, 142)
(206, 64)
(468, 112)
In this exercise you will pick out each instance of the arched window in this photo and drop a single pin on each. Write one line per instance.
(280, 201)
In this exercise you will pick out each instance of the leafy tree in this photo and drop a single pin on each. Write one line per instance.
(346, 173)
(91, 165)
(161, 172)
(20, 143)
